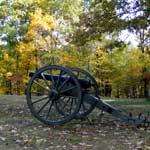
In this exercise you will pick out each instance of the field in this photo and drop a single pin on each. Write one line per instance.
(20, 131)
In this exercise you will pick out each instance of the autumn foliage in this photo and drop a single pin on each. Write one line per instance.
(40, 33)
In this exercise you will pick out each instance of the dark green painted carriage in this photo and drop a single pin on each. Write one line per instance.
(56, 95)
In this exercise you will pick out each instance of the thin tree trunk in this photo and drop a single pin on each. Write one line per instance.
(148, 91)
(17, 73)
(145, 88)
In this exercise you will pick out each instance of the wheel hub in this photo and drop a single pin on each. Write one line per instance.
(54, 95)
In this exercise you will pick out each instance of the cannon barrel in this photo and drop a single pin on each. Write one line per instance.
(84, 83)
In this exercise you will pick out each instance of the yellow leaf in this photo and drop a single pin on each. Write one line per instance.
(8, 74)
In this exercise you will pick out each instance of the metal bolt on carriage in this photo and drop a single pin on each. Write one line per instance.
(56, 95)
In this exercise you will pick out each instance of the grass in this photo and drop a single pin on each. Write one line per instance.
(135, 105)
(19, 130)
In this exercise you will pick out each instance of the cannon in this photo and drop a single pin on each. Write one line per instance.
(56, 95)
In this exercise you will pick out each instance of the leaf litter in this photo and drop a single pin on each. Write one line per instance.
(20, 130)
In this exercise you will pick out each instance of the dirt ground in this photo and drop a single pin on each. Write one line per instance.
(19, 130)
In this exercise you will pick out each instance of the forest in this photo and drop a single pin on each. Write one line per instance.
(77, 33)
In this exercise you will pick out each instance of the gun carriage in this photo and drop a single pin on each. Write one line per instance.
(56, 95)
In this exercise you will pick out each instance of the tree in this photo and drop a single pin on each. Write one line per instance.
(100, 17)
(136, 15)
(7, 64)
(37, 39)
(14, 20)
(102, 70)
(13, 26)
(127, 73)
(21, 38)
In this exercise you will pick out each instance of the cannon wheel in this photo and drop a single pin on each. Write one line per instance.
(44, 96)
(86, 108)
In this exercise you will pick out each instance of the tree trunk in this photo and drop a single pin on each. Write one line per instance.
(145, 88)
(148, 91)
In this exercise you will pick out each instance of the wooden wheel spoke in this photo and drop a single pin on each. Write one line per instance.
(62, 85)
(60, 74)
(50, 107)
(73, 97)
(70, 98)
(67, 89)
(71, 105)
(40, 85)
(60, 101)
(53, 81)
(43, 106)
(45, 80)
(39, 100)
(66, 103)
